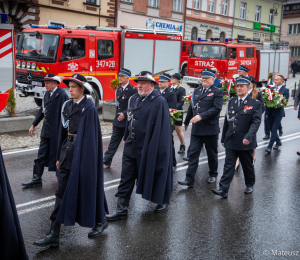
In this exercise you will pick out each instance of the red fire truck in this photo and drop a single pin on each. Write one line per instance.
(97, 53)
(227, 57)
(185, 53)
(7, 73)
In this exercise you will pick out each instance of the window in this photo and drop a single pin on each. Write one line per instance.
(128, 1)
(197, 4)
(294, 28)
(91, 1)
(177, 5)
(73, 48)
(298, 6)
(209, 51)
(287, 8)
(271, 16)
(294, 7)
(257, 13)
(153, 3)
(194, 34)
(211, 6)
(243, 10)
(295, 51)
(225, 7)
(249, 53)
(183, 47)
(105, 49)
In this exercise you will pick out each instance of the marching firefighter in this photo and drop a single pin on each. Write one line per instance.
(80, 193)
(164, 80)
(123, 93)
(51, 112)
(12, 243)
(147, 156)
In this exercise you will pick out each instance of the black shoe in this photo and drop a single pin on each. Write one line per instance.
(36, 180)
(211, 180)
(220, 193)
(181, 149)
(298, 153)
(186, 159)
(248, 190)
(280, 132)
(186, 183)
(106, 163)
(276, 146)
(98, 229)
(121, 211)
(266, 137)
(52, 239)
(268, 150)
(174, 168)
(160, 208)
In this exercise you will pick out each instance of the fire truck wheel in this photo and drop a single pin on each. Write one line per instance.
(38, 102)
(184, 69)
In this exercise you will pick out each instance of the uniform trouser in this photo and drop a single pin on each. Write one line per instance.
(63, 177)
(294, 72)
(274, 123)
(211, 146)
(116, 138)
(43, 153)
(267, 128)
(173, 151)
(246, 159)
(129, 176)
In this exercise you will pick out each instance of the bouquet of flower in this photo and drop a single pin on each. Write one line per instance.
(225, 99)
(273, 98)
(270, 76)
(175, 115)
(188, 99)
(229, 87)
(114, 84)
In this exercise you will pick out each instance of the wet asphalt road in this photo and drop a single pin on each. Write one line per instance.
(196, 225)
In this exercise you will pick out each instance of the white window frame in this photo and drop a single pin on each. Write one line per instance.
(225, 7)
(244, 9)
(153, 3)
(96, 2)
(257, 12)
(126, 1)
(293, 28)
(197, 4)
(271, 13)
(176, 4)
(51, 21)
(211, 6)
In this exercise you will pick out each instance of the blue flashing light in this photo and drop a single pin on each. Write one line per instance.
(226, 40)
(46, 26)
(199, 39)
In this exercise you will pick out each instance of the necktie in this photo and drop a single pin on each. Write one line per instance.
(276, 88)
(140, 100)
(241, 102)
(74, 106)
(203, 91)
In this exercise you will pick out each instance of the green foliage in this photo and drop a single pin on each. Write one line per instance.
(175, 116)
(114, 84)
(11, 103)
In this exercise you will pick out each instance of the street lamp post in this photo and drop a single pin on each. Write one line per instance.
(275, 13)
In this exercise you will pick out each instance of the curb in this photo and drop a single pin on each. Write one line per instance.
(15, 124)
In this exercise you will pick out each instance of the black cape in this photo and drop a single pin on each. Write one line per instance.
(11, 239)
(154, 148)
(84, 200)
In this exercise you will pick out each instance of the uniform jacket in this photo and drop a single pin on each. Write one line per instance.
(208, 105)
(179, 92)
(122, 97)
(260, 99)
(278, 111)
(246, 121)
(84, 200)
(152, 147)
(217, 83)
(170, 97)
(294, 66)
(11, 238)
(52, 121)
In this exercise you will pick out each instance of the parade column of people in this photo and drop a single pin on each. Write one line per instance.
(123, 93)
(242, 120)
(80, 193)
(204, 114)
(51, 113)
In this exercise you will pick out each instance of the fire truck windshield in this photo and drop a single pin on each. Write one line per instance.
(38, 46)
(208, 51)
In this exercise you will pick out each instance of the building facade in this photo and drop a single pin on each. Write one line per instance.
(291, 27)
(258, 19)
(152, 14)
(207, 19)
(57, 12)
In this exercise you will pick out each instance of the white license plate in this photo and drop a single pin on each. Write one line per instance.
(36, 83)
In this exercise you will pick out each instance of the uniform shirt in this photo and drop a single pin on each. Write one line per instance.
(174, 87)
(124, 86)
(242, 99)
(51, 93)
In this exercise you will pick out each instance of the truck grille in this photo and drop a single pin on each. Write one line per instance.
(23, 78)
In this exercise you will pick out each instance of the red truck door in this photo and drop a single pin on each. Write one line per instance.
(250, 61)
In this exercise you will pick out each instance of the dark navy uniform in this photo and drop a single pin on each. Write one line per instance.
(208, 104)
(242, 121)
(65, 149)
(122, 97)
(180, 92)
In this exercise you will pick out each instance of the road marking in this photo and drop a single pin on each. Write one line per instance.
(46, 205)
(108, 182)
(35, 201)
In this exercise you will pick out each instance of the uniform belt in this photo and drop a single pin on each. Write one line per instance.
(72, 137)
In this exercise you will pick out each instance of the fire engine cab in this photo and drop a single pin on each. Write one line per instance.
(95, 52)
(227, 57)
